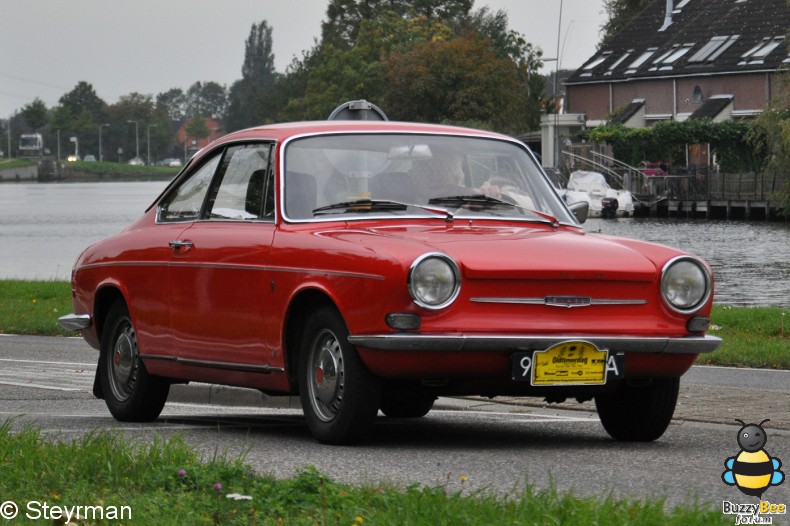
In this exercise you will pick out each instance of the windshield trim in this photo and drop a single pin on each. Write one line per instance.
(389, 216)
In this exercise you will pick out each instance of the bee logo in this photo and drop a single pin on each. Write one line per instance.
(752, 470)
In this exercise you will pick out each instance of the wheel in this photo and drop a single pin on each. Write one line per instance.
(639, 412)
(339, 396)
(131, 394)
(401, 404)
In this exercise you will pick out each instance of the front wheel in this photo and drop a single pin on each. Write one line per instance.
(639, 412)
(339, 396)
(131, 394)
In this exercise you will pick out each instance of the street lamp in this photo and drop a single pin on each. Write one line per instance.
(149, 141)
(136, 139)
(101, 158)
(556, 145)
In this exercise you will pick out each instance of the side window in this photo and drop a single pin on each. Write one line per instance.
(243, 177)
(185, 203)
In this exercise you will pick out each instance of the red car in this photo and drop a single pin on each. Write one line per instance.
(374, 266)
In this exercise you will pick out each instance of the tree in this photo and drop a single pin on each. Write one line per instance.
(619, 13)
(150, 120)
(459, 81)
(36, 114)
(344, 17)
(400, 54)
(173, 102)
(251, 99)
(197, 128)
(84, 98)
(208, 98)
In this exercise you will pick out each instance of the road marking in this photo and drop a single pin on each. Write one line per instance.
(39, 386)
(91, 364)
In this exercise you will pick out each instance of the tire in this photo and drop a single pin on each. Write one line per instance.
(131, 394)
(639, 412)
(339, 396)
(401, 404)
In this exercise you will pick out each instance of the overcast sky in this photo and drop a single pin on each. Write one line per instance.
(150, 46)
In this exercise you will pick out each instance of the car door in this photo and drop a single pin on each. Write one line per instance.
(218, 275)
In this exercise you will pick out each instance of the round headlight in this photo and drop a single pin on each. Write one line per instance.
(434, 281)
(685, 284)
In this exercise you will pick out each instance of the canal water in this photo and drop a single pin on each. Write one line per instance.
(44, 227)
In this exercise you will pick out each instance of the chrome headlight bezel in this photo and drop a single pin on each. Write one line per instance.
(434, 281)
(686, 284)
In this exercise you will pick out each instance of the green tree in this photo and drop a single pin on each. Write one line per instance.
(344, 18)
(36, 114)
(251, 100)
(209, 98)
(151, 120)
(197, 127)
(460, 81)
(173, 102)
(84, 98)
(398, 56)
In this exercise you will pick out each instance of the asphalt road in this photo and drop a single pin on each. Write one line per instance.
(497, 447)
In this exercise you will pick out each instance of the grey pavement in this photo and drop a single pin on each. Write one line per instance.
(707, 394)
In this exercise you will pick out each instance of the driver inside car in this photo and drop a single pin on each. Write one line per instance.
(444, 177)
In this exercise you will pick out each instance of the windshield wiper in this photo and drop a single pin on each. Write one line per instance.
(482, 201)
(479, 200)
(362, 205)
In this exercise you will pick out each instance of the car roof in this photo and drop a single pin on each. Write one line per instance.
(292, 129)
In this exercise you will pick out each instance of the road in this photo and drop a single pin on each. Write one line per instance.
(496, 447)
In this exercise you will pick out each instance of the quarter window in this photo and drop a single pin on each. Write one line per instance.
(185, 203)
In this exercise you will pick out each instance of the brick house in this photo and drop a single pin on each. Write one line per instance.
(193, 144)
(683, 59)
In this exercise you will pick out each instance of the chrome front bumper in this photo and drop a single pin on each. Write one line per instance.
(75, 322)
(460, 343)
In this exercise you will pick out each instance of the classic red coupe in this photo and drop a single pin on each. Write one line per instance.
(373, 266)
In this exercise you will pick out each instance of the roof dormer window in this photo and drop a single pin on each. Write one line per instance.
(633, 66)
(664, 62)
(761, 50)
(714, 48)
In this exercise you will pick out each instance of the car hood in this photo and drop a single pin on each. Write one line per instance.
(515, 252)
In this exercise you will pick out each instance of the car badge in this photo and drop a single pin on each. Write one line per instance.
(567, 301)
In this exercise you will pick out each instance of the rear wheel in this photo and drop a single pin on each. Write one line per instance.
(131, 394)
(400, 404)
(339, 396)
(639, 412)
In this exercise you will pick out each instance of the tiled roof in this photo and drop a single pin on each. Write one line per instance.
(628, 112)
(712, 107)
(705, 37)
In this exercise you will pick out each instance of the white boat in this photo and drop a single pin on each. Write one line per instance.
(604, 201)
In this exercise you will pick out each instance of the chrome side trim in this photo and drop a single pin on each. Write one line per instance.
(266, 369)
(559, 301)
(494, 342)
(75, 322)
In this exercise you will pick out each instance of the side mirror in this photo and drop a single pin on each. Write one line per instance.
(580, 210)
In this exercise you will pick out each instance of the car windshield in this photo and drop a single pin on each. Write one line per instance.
(392, 175)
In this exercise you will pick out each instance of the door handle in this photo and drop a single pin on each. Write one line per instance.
(179, 245)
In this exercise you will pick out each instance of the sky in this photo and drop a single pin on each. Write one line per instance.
(151, 46)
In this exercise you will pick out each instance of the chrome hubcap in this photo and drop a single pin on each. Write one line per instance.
(123, 363)
(327, 377)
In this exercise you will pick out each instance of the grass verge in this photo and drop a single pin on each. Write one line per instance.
(165, 482)
(753, 336)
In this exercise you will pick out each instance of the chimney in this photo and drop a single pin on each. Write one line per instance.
(668, 16)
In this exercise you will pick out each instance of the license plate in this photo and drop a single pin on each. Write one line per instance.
(567, 363)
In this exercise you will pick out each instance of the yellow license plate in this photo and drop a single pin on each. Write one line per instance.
(570, 363)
